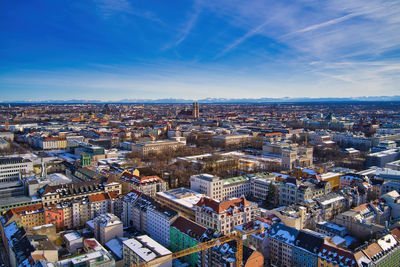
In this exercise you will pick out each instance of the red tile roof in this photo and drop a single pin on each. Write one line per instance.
(98, 197)
(113, 195)
(219, 207)
(21, 210)
(372, 250)
(396, 232)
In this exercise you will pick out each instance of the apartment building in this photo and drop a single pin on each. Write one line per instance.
(306, 247)
(159, 220)
(256, 185)
(17, 246)
(99, 204)
(223, 216)
(366, 219)
(106, 227)
(144, 249)
(80, 211)
(260, 185)
(293, 216)
(280, 242)
(292, 191)
(128, 203)
(65, 192)
(43, 248)
(332, 204)
(145, 214)
(207, 184)
(54, 215)
(392, 199)
(28, 216)
(149, 185)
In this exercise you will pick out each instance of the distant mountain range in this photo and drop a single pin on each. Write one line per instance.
(218, 100)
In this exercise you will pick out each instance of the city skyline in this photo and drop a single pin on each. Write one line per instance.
(118, 49)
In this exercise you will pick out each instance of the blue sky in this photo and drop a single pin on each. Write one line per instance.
(122, 49)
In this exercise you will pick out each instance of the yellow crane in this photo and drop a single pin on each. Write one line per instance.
(239, 237)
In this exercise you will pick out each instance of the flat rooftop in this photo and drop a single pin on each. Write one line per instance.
(146, 248)
(182, 196)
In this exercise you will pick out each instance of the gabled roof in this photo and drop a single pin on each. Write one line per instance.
(189, 227)
(337, 255)
(220, 207)
(87, 186)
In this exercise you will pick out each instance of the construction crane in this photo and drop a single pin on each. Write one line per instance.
(238, 237)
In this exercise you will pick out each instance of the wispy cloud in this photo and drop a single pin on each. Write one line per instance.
(356, 28)
(237, 42)
(109, 8)
(323, 24)
(188, 28)
(189, 25)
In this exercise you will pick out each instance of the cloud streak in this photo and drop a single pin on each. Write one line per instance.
(189, 25)
(242, 39)
(323, 24)
(109, 8)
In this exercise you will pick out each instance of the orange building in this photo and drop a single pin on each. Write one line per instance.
(54, 214)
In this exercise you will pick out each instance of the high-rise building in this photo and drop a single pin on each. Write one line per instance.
(195, 109)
